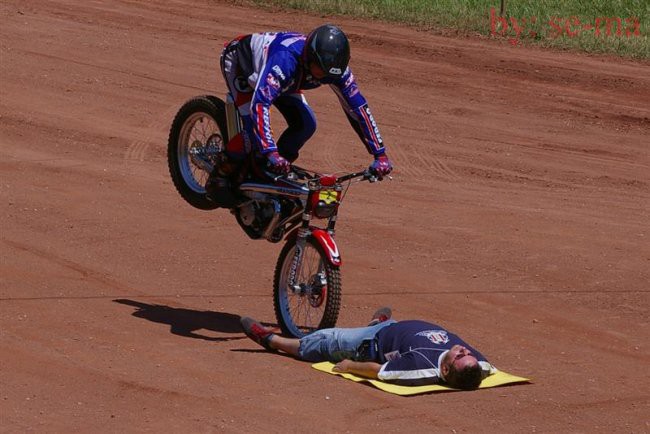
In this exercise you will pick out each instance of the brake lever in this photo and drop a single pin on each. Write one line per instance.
(273, 176)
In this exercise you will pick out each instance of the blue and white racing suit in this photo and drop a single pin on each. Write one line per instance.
(265, 69)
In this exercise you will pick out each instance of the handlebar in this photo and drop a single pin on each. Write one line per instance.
(300, 173)
(366, 175)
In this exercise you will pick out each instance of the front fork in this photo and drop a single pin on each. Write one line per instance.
(326, 240)
(299, 252)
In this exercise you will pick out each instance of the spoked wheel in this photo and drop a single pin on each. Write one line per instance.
(314, 300)
(197, 136)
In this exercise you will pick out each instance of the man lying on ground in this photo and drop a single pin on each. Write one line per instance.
(409, 353)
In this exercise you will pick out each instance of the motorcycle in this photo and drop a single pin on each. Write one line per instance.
(307, 280)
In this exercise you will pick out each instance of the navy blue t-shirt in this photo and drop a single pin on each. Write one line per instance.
(410, 352)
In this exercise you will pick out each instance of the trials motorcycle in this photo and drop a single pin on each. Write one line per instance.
(307, 281)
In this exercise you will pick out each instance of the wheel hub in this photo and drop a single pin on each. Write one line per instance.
(314, 290)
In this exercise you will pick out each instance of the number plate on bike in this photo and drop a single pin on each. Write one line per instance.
(328, 196)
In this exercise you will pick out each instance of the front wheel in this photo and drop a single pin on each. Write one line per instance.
(314, 299)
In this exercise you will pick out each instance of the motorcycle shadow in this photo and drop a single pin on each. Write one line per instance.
(186, 322)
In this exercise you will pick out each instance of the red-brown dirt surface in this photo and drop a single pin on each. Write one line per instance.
(518, 217)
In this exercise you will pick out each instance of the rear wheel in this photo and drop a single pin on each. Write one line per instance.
(197, 136)
(314, 300)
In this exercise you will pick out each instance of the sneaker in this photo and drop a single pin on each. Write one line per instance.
(382, 314)
(257, 332)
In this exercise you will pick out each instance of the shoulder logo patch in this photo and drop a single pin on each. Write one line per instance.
(438, 337)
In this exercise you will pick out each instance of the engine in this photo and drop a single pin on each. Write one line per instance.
(254, 217)
(268, 216)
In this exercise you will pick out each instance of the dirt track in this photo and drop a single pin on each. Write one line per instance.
(518, 217)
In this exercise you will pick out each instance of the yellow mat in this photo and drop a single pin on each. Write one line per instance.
(499, 378)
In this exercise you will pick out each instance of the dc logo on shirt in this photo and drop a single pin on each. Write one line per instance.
(278, 71)
(438, 337)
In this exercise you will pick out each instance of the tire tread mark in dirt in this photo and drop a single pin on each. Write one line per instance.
(439, 167)
(86, 272)
(596, 155)
(509, 176)
(332, 160)
(404, 163)
(139, 295)
(565, 325)
(588, 155)
(137, 150)
(119, 71)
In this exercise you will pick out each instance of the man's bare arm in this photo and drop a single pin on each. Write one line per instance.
(363, 369)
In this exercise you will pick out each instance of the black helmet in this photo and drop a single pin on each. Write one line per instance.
(328, 48)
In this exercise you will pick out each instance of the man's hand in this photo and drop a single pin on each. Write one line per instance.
(343, 366)
(277, 163)
(363, 369)
(381, 166)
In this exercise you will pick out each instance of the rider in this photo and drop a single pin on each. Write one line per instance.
(264, 69)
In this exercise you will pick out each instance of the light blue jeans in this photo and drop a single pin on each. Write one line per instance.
(336, 344)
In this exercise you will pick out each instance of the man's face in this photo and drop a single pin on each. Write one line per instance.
(316, 71)
(460, 357)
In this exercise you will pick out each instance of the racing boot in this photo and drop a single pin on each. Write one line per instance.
(219, 190)
(230, 170)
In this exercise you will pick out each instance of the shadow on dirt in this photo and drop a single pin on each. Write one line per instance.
(186, 322)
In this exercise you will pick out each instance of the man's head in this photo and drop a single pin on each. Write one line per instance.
(461, 369)
(327, 52)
